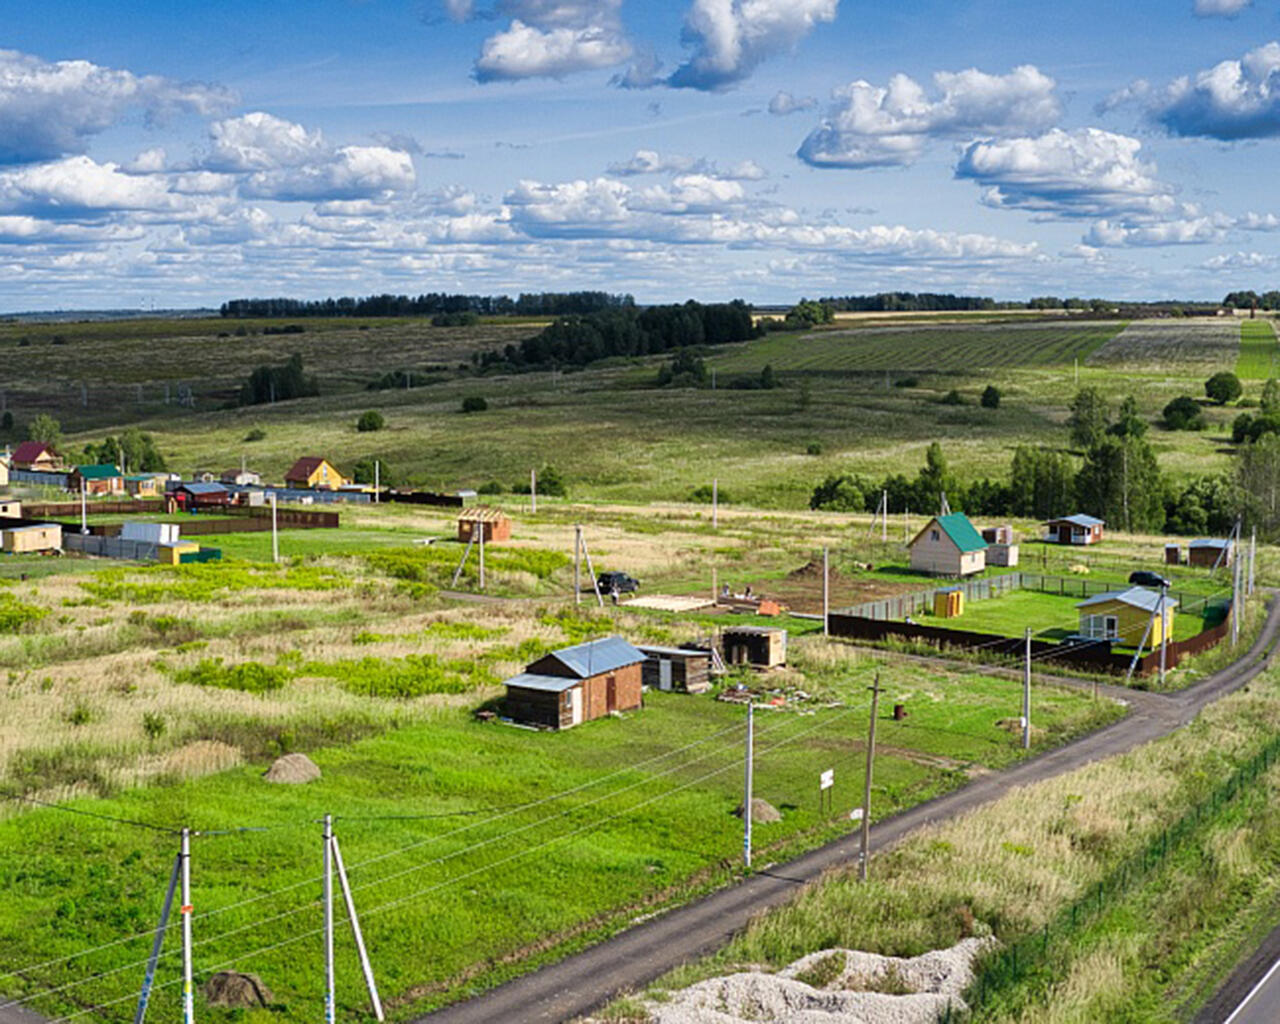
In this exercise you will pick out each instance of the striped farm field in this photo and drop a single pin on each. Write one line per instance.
(1259, 351)
(949, 347)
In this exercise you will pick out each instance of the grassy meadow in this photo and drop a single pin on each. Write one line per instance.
(1258, 350)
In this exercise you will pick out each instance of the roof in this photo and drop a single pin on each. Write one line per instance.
(959, 530)
(481, 514)
(304, 467)
(1212, 542)
(674, 652)
(754, 630)
(596, 656)
(1136, 597)
(34, 526)
(1079, 520)
(101, 471)
(29, 451)
(201, 488)
(147, 476)
(534, 681)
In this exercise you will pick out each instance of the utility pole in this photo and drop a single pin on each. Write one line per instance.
(328, 919)
(377, 479)
(480, 526)
(866, 786)
(84, 510)
(1235, 593)
(826, 592)
(1164, 631)
(275, 540)
(715, 503)
(533, 492)
(746, 802)
(884, 517)
(1253, 557)
(188, 994)
(365, 966)
(1026, 695)
(577, 565)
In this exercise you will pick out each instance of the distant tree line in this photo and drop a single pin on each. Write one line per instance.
(626, 331)
(432, 304)
(895, 302)
(1249, 299)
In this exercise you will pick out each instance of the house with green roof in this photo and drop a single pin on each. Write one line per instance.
(103, 478)
(948, 546)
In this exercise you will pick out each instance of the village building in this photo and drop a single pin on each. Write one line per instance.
(36, 456)
(948, 546)
(240, 478)
(682, 669)
(1211, 551)
(757, 646)
(101, 478)
(489, 523)
(32, 538)
(576, 684)
(1002, 547)
(1123, 616)
(198, 495)
(10, 508)
(314, 473)
(1077, 529)
(145, 485)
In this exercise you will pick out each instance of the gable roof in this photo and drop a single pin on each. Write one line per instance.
(959, 531)
(1212, 542)
(305, 466)
(1079, 520)
(100, 471)
(1136, 597)
(30, 451)
(202, 488)
(596, 656)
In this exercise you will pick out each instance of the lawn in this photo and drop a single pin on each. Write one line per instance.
(1258, 350)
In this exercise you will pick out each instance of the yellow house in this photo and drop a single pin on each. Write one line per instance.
(145, 485)
(1123, 615)
(313, 472)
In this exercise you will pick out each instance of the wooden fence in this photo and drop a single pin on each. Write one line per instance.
(251, 520)
(55, 509)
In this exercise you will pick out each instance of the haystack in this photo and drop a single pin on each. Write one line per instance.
(231, 988)
(292, 768)
(762, 812)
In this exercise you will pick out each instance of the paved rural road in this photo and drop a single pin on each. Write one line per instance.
(585, 981)
(1252, 994)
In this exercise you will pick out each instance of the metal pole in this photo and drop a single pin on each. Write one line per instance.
(1253, 557)
(533, 492)
(1235, 600)
(84, 510)
(188, 994)
(480, 527)
(826, 592)
(746, 802)
(1164, 633)
(275, 539)
(577, 565)
(377, 479)
(1026, 696)
(328, 919)
(145, 995)
(866, 787)
(884, 518)
(355, 930)
(715, 503)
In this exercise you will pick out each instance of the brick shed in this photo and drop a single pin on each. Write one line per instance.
(576, 684)
(495, 525)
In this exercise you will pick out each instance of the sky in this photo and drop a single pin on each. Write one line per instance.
(160, 154)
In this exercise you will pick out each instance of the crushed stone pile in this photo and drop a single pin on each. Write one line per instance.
(928, 982)
(292, 768)
(231, 988)
(762, 812)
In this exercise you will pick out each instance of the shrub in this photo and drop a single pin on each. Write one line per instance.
(703, 495)
(474, 403)
(952, 397)
(370, 421)
(814, 448)
(153, 724)
(991, 397)
(907, 382)
(248, 677)
(839, 494)
(490, 487)
(15, 614)
(256, 434)
(1223, 387)
(1184, 413)
(550, 482)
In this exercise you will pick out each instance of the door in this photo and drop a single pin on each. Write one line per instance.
(664, 674)
(610, 694)
(577, 705)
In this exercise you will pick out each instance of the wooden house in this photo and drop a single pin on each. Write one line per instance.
(241, 477)
(948, 546)
(200, 495)
(1211, 551)
(32, 538)
(10, 508)
(145, 485)
(102, 478)
(1123, 615)
(757, 646)
(684, 670)
(576, 684)
(4, 473)
(35, 455)
(1077, 529)
(492, 524)
(1002, 546)
(314, 473)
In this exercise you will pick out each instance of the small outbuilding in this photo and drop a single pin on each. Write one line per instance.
(1077, 529)
(576, 684)
(35, 455)
(102, 478)
(145, 485)
(241, 477)
(684, 670)
(32, 538)
(200, 495)
(491, 524)
(757, 646)
(1123, 615)
(10, 508)
(315, 473)
(948, 546)
(1211, 551)
(1002, 548)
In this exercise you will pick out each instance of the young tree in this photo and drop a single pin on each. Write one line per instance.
(45, 428)
(1041, 483)
(1258, 483)
(1120, 482)
(840, 494)
(370, 421)
(1129, 423)
(1089, 416)
(990, 397)
(1271, 397)
(1223, 387)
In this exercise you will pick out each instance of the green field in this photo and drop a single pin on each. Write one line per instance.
(1258, 350)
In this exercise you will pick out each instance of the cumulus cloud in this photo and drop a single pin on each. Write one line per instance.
(783, 103)
(889, 126)
(730, 38)
(80, 188)
(52, 109)
(650, 161)
(1235, 99)
(553, 38)
(1235, 261)
(1220, 8)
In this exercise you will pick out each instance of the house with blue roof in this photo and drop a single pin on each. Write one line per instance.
(948, 546)
(1077, 529)
(576, 684)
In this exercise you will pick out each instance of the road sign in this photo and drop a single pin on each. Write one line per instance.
(827, 779)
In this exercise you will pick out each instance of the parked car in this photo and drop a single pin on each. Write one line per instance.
(625, 584)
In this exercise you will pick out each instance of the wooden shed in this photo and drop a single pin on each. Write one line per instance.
(145, 485)
(103, 478)
(1002, 546)
(33, 538)
(948, 546)
(757, 646)
(495, 526)
(576, 684)
(1211, 551)
(1077, 529)
(1123, 615)
(200, 495)
(681, 669)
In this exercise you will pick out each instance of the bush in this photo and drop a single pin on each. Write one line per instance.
(907, 382)
(256, 434)
(991, 397)
(491, 487)
(153, 724)
(1184, 413)
(814, 448)
(474, 403)
(463, 318)
(248, 677)
(370, 421)
(703, 495)
(952, 397)
(839, 494)
(1223, 387)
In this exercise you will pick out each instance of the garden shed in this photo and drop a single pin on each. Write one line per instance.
(1122, 615)
(1077, 529)
(757, 646)
(145, 485)
(102, 478)
(193, 495)
(576, 684)
(680, 669)
(1002, 547)
(492, 524)
(1211, 551)
(33, 538)
(948, 546)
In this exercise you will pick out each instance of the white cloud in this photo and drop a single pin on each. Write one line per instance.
(650, 161)
(79, 188)
(1235, 99)
(875, 126)
(259, 141)
(1220, 8)
(554, 38)
(1238, 260)
(459, 10)
(52, 109)
(730, 38)
(783, 103)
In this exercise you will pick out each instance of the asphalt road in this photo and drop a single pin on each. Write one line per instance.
(585, 981)
(1252, 994)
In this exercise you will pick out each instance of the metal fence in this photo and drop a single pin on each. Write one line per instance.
(110, 547)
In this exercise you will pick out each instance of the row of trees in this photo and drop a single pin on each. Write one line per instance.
(894, 302)
(579, 340)
(1249, 299)
(431, 304)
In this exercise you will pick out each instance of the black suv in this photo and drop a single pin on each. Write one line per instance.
(625, 584)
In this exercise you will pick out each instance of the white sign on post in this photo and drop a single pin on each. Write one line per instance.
(855, 814)
(827, 779)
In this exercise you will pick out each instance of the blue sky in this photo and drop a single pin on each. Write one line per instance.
(169, 154)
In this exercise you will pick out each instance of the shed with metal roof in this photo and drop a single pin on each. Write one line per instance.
(576, 684)
(1211, 551)
(1077, 529)
(948, 546)
(1124, 615)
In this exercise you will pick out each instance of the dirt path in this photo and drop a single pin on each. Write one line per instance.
(585, 981)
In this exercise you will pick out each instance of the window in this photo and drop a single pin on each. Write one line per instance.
(933, 535)
(1101, 627)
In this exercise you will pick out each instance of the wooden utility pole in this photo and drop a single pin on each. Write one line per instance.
(866, 787)
(715, 503)
(577, 565)
(533, 492)
(826, 592)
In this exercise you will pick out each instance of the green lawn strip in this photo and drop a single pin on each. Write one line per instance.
(1258, 351)
(510, 894)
